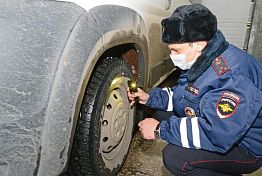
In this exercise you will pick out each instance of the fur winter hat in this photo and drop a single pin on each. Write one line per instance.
(189, 23)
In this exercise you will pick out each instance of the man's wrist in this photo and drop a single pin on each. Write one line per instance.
(157, 131)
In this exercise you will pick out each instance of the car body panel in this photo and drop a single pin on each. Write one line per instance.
(33, 38)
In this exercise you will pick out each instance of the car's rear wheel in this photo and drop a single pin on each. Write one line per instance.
(105, 124)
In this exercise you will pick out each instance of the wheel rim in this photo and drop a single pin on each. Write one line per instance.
(116, 120)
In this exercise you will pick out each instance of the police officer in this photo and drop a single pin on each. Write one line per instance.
(215, 127)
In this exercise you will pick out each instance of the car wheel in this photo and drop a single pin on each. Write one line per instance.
(105, 124)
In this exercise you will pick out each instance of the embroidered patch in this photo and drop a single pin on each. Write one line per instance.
(220, 66)
(227, 104)
(189, 112)
(193, 90)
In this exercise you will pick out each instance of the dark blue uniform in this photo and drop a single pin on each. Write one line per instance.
(219, 110)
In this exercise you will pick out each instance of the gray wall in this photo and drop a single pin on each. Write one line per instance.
(232, 16)
(196, 1)
(255, 41)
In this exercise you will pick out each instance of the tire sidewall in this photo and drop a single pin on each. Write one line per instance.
(118, 68)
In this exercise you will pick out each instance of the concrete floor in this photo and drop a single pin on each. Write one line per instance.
(145, 158)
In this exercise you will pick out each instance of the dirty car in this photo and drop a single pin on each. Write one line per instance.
(63, 78)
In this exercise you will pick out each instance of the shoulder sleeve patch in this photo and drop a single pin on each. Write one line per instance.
(220, 66)
(227, 104)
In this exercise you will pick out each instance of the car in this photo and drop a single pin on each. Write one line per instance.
(63, 80)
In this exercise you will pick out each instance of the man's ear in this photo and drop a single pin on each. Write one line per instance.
(200, 45)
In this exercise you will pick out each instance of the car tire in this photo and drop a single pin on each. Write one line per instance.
(105, 124)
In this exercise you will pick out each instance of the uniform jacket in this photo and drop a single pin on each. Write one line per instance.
(217, 103)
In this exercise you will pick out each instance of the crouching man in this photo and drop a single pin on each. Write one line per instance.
(212, 117)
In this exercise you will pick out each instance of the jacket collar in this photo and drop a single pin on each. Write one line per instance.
(215, 47)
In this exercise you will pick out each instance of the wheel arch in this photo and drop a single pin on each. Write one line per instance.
(73, 72)
(123, 32)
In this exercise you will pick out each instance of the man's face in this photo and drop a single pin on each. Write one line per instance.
(184, 48)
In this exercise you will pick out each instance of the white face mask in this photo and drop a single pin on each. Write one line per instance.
(179, 60)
